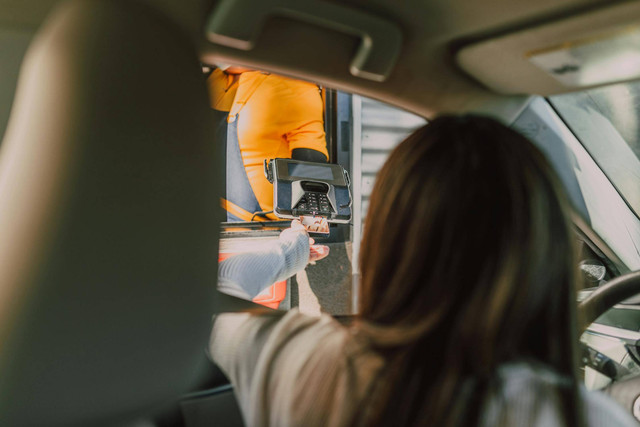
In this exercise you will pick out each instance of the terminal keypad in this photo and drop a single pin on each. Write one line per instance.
(313, 203)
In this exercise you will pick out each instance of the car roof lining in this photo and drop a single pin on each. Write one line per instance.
(426, 79)
(503, 62)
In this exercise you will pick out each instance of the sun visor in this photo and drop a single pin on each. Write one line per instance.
(595, 48)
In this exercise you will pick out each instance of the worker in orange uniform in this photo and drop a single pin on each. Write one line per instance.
(262, 116)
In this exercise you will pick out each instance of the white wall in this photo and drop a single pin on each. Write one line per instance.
(377, 129)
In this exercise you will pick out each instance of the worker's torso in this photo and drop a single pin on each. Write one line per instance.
(259, 118)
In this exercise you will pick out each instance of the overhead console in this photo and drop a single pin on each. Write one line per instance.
(594, 48)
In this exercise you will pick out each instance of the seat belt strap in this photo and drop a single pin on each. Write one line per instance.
(241, 213)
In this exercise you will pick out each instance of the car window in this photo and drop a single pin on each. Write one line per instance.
(593, 195)
(264, 115)
(355, 132)
(607, 122)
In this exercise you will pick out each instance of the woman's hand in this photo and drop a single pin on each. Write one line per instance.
(316, 252)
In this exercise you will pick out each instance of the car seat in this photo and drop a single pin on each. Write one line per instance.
(108, 219)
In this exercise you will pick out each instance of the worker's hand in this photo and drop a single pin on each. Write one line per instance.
(316, 252)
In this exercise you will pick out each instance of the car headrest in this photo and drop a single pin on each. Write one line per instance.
(108, 219)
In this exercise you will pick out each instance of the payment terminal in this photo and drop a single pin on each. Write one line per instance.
(309, 189)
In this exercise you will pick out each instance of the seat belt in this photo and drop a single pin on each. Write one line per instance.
(241, 213)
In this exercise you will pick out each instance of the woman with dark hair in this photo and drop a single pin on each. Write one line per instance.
(467, 312)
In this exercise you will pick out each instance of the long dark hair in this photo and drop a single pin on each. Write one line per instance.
(467, 264)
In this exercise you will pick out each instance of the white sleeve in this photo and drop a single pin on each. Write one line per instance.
(246, 275)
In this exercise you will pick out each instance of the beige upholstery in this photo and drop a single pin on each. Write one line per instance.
(503, 63)
(108, 220)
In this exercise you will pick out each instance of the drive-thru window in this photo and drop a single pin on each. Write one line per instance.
(359, 134)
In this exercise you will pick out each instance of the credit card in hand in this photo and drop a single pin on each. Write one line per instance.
(315, 224)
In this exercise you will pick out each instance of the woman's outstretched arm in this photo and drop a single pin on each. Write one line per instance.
(246, 275)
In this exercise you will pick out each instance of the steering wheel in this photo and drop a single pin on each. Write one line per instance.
(627, 391)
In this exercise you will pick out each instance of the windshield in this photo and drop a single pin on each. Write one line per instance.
(606, 120)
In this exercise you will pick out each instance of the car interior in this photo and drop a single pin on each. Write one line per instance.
(110, 177)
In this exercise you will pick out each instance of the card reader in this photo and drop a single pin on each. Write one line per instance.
(309, 189)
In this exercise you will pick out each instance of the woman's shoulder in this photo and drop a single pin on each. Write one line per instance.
(319, 338)
(312, 365)
(321, 371)
(277, 335)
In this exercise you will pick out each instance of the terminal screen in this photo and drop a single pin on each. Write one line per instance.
(310, 171)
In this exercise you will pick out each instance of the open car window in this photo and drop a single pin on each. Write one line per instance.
(265, 116)
(355, 133)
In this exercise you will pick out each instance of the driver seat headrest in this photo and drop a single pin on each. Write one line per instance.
(109, 219)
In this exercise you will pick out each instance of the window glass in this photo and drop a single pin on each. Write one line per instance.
(260, 116)
(594, 197)
(607, 122)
